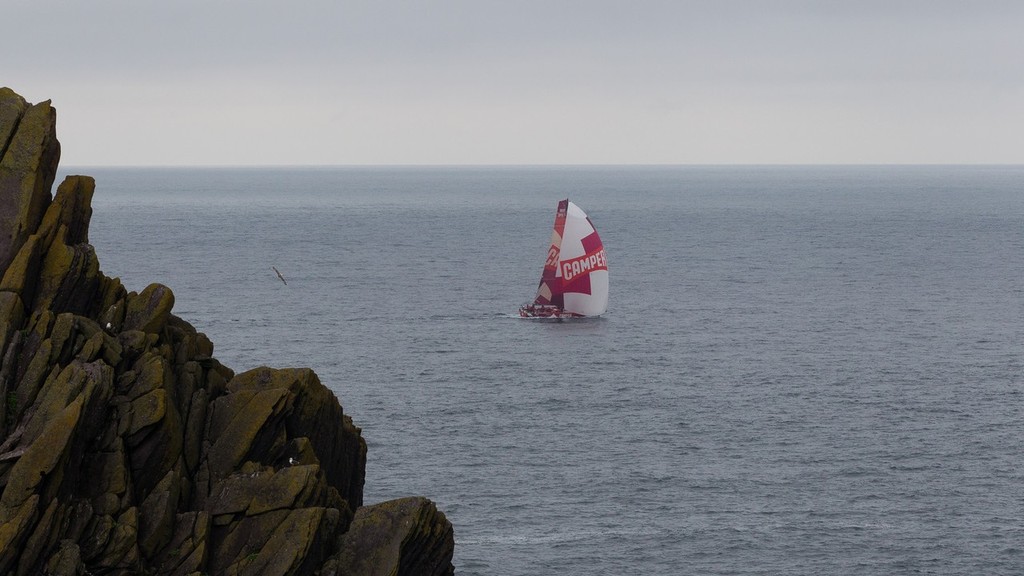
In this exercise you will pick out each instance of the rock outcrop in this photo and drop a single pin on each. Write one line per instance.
(127, 448)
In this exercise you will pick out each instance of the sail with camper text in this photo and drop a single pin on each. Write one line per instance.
(575, 278)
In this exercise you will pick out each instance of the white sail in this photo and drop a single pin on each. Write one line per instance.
(582, 266)
(575, 277)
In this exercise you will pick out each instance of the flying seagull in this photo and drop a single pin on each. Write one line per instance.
(280, 276)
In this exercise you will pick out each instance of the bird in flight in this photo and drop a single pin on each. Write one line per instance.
(279, 275)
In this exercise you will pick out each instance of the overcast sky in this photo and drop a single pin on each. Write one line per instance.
(207, 82)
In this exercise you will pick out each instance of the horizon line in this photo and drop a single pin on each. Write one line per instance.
(566, 165)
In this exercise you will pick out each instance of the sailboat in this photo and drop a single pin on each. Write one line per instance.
(574, 282)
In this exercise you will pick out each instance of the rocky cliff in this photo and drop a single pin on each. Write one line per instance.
(127, 448)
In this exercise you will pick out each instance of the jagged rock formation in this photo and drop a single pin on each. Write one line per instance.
(127, 448)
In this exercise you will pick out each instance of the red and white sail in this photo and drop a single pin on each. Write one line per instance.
(575, 277)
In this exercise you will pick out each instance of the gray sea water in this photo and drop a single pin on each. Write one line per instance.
(803, 370)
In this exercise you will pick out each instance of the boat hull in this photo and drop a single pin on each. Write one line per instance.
(545, 311)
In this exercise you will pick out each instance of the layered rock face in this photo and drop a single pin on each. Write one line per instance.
(127, 448)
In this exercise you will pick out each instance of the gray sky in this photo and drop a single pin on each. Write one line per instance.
(199, 82)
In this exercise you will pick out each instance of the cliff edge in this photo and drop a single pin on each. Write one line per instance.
(127, 448)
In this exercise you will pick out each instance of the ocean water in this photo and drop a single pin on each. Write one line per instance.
(803, 370)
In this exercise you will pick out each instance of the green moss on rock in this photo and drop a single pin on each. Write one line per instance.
(149, 310)
(41, 457)
(71, 209)
(404, 536)
(66, 561)
(27, 168)
(340, 449)
(69, 279)
(21, 274)
(15, 524)
(12, 317)
(186, 552)
(158, 513)
(148, 410)
(122, 550)
(12, 106)
(237, 421)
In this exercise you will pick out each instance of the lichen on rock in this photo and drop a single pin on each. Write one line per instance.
(127, 448)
